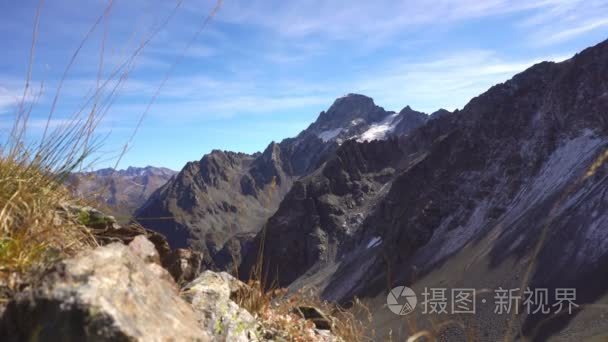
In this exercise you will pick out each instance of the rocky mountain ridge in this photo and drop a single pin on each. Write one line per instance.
(228, 194)
(517, 176)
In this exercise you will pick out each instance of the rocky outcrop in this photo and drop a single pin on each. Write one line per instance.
(183, 264)
(121, 293)
(408, 121)
(211, 297)
(105, 294)
(143, 248)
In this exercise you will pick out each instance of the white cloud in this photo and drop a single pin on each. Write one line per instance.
(577, 30)
(564, 20)
(8, 99)
(367, 22)
(11, 94)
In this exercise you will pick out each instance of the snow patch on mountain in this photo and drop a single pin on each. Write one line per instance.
(357, 121)
(373, 242)
(380, 130)
(329, 134)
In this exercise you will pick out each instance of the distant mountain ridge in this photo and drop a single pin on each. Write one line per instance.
(121, 191)
(133, 171)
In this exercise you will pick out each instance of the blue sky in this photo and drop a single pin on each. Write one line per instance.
(263, 70)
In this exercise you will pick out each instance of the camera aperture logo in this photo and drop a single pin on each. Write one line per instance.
(401, 300)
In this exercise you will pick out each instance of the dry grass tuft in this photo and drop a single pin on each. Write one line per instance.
(280, 314)
(277, 311)
(35, 226)
(34, 230)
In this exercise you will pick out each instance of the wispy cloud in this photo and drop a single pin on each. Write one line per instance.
(11, 94)
(365, 21)
(445, 81)
(8, 99)
(578, 30)
(558, 21)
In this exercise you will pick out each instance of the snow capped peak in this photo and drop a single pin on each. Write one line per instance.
(381, 129)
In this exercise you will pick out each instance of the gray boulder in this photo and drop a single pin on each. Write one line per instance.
(143, 248)
(105, 294)
(210, 295)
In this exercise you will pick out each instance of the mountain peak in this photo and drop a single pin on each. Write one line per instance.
(350, 101)
(439, 113)
(354, 97)
(407, 110)
(348, 108)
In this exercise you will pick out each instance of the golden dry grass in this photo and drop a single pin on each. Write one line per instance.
(32, 230)
(277, 308)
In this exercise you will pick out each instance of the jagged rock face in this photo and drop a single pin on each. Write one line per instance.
(408, 120)
(322, 211)
(122, 191)
(209, 201)
(439, 113)
(105, 294)
(235, 250)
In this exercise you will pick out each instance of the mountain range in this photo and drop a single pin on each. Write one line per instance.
(120, 192)
(228, 195)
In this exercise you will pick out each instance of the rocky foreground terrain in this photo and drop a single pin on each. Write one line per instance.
(135, 288)
(508, 192)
